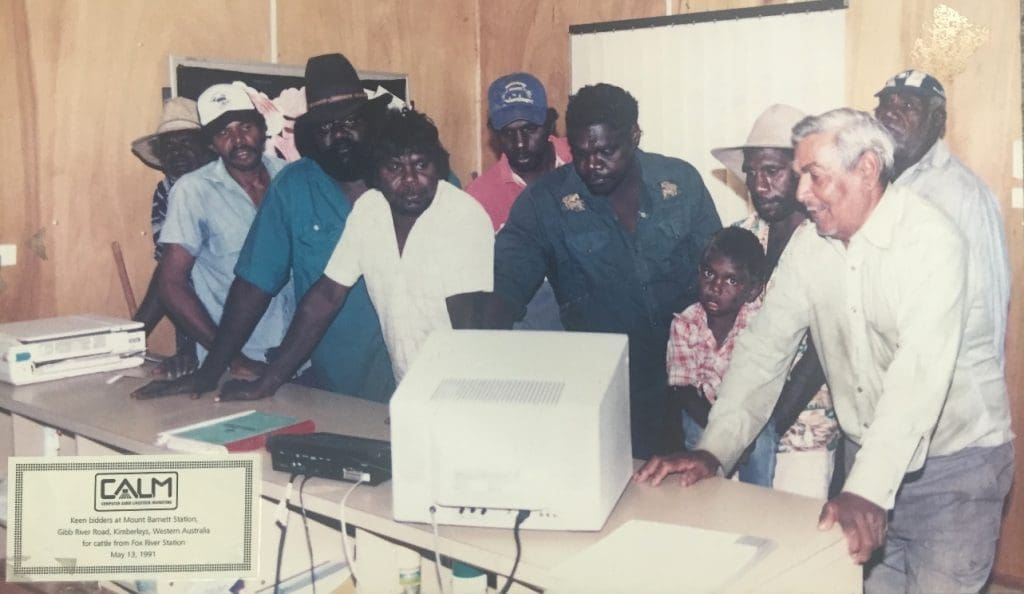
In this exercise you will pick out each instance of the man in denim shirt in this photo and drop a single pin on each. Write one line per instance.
(619, 234)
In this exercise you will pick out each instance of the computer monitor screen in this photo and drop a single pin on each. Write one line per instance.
(487, 423)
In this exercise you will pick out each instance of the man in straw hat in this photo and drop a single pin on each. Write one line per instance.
(208, 217)
(883, 288)
(176, 148)
(295, 232)
(803, 416)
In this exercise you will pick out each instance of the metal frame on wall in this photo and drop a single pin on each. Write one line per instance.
(712, 15)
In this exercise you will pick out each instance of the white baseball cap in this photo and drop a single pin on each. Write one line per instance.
(221, 99)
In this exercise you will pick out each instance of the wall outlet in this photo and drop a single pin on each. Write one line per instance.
(8, 254)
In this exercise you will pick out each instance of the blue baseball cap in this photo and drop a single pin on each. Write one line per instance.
(517, 96)
(916, 82)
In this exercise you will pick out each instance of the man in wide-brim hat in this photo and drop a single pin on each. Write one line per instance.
(301, 220)
(804, 423)
(175, 148)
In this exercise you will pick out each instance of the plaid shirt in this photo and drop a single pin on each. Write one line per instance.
(694, 357)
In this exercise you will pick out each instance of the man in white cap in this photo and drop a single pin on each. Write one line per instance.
(912, 107)
(208, 217)
(803, 417)
(294, 234)
(176, 148)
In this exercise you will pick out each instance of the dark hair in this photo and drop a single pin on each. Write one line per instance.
(408, 131)
(601, 104)
(247, 115)
(743, 248)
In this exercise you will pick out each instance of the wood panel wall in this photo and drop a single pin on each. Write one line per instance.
(435, 43)
(86, 79)
(26, 289)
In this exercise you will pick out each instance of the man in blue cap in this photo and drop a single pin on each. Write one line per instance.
(523, 130)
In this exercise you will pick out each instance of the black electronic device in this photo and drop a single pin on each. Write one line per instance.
(333, 456)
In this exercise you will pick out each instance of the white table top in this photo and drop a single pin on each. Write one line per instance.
(803, 560)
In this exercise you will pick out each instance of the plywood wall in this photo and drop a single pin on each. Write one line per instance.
(435, 43)
(89, 80)
(25, 289)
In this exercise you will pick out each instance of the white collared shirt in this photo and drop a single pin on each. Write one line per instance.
(887, 314)
(449, 251)
(941, 179)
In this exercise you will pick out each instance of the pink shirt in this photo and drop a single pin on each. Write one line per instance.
(693, 357)
(497, 188)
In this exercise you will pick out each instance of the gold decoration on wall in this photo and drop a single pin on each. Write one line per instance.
(948, 42)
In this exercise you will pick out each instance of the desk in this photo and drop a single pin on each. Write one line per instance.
(95, 418)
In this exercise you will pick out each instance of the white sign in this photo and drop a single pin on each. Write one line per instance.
(124, 517)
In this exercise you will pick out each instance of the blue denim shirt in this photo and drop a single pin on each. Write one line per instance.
(605, 279)
(209, 215)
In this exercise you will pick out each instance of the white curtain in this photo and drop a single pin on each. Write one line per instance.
(701, 85)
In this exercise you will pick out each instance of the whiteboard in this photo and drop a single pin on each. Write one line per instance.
(701, 85)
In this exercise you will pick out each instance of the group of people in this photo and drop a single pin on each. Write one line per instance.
(861, 307)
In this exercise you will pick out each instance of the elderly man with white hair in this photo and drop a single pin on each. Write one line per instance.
(882, 287)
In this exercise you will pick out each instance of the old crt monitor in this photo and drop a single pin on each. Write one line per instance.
(490, 422)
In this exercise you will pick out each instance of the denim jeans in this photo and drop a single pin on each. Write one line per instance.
(759, 467)
(944, 527)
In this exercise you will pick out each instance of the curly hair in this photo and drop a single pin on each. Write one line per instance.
(400, 132)
(601, 104)
(743, 248)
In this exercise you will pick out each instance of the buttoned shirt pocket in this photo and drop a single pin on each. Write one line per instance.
(320, 238)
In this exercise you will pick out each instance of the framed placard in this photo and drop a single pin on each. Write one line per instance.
(141, 517)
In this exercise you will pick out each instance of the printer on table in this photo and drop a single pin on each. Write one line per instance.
(55, 348)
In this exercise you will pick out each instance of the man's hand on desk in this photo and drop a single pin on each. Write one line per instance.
(863, 523)
(244, 390)
(692, 467)
(192, 384)
(178, 365)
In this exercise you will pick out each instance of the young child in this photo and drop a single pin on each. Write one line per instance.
(731, 275)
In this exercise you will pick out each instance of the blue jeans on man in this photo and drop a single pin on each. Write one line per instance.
(759, 466)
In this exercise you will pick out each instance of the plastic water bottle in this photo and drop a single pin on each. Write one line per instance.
(408, 562)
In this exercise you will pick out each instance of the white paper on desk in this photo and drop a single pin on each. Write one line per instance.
(127, 517)
(652, 557)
